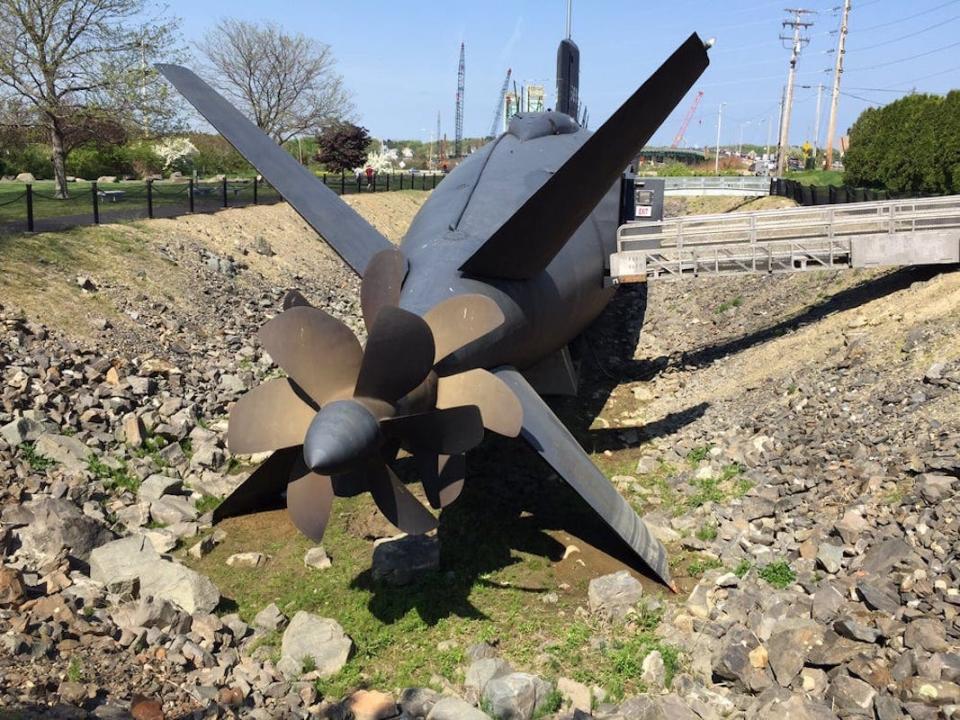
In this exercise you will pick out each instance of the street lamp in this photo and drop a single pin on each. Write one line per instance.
(719, 125)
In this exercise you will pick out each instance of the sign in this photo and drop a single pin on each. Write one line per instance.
(644, 211)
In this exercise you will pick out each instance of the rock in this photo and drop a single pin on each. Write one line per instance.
(172, 509)
(453, 708)
(64, 449)
(121, 560)
(26, 177)
(317, 559)
(851, 526)
(881, 557)
(516, 696)
(653, 672)
(270, 618)
(71, 692)
(482, 671)
(155, 486)
(57, 524)
(927, 634)
(85, 282)
(371, 705)
(417, 702)
(247, 560)
(576, 696)
(934, 488)
(732, 661)
(850, 628)
(12, 590)
(834, 650)
(262, 247)
(850, 696)
(614, 595)
(144, 708)
(879, 595)
(797, 707)
(788, 648)
(396, 561)
(311, 636)
(180, 585)
(930, 692)
(830, 557)
(17, 432)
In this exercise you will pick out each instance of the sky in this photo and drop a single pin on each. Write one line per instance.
(399, 59)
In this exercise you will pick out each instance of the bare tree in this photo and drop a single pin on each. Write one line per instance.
(285, 83)
(75, 60)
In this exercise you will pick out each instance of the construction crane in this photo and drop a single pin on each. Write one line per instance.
(686, 120)
(498, 112)
(458, 127)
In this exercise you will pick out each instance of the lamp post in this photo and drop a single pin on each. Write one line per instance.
(719, 125)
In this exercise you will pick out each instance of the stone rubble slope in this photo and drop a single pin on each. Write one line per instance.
(835, 464)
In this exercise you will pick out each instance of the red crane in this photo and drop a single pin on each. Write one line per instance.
(686, 120)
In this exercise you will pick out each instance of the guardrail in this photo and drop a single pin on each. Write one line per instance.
(914, 231)
(718, 185)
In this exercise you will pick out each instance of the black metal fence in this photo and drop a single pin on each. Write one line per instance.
(34, 210)
(828, 194)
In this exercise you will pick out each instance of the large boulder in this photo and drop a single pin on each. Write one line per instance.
(180, 585)
(516, 696)
(55, 524)
(614, 595)
(398, 560)
(67, 450)
(121, 560)
(322, 640)
(453, 708)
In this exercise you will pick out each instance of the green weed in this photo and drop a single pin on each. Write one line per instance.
(34, 460)
(779, 574)
(113, 478)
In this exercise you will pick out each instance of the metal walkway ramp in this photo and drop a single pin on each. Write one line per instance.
(890, 233)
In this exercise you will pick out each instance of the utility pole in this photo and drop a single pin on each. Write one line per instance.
(719, 125)
(797, 43)
(837, 72)
(816, 125)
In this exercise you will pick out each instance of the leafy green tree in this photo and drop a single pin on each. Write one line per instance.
(343, 146)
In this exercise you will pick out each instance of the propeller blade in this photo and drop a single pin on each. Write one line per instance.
(309, 499)
(398, 356)
(294, 298)
(397, 503)
(442, 477)
(451, 431)
(317, 351)
(271, 416)
(458, 321)
(381, 285)
(527, 241)
(499, 407)
(263, 488)
(352, 237)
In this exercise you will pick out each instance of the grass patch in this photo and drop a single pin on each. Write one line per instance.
(113, 478)
(701, 565)
(551, 704)
(707, 532)
(779, 574)
(729, 305)
(34, 459)
(207, 503)
(698, 455)
(817, 177)
(720, 489)
(151, 447)
(75, 671)
(742, 568)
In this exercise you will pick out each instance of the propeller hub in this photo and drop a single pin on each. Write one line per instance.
(342, 436)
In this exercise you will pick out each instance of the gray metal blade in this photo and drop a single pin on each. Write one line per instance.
(271, 416)
(263, 488)
(352, 237)
(442, 477)
(309, 499)
(320, 353)
(451, 431)
(397, 503)
(381, 285)
(398, 356)
(526, 243)
(551, 439)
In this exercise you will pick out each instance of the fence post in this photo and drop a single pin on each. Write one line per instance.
(388, 181)
(255, 178)
(359, 181)
(150, 199)
(225, 191)
(401, 181)
(96, 203)
(190, 194)
(343, 182)
(29, 207)
(434, 181)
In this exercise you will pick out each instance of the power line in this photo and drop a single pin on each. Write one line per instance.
(797, 43)
(906, 59)
(910, 35)
(908, 17)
